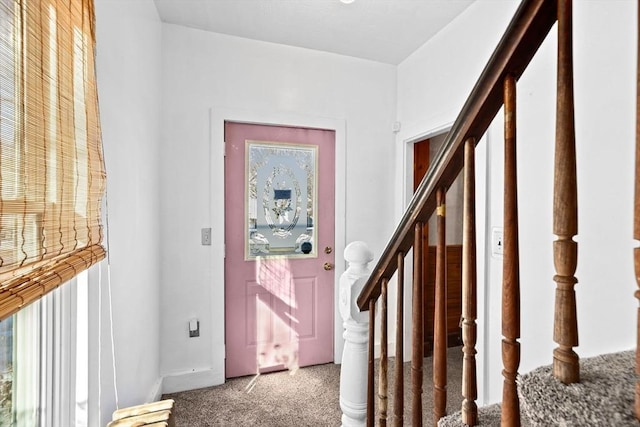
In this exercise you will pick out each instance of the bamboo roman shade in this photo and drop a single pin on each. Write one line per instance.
(51, 166)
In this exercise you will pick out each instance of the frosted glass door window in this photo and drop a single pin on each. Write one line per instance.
(281, 199)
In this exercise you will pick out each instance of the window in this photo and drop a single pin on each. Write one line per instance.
(6, 371)
(44, 361)
(51, 165)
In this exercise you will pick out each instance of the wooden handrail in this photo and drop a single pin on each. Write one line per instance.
(526, 32)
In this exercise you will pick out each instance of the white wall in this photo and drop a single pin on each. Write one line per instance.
(128, 68)
(204, 71)
(429, 97)
(144, 66)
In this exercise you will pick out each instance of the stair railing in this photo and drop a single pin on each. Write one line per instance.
(495, 88)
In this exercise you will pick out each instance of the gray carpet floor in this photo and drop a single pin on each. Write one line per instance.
(310, 397)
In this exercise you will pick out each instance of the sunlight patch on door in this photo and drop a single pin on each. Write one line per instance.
(276, 327)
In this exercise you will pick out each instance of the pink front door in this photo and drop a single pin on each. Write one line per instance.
(279, 238)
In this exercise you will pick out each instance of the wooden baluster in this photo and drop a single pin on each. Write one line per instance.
(398, 404)
(371, 409)
(440, 314)
(417, 352)
(566, 365)
(636, 222)
(469, 291)
(511, 268)
(384, 361)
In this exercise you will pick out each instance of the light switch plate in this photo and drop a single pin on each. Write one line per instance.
(206, 236)
(194, 328)
(497, 242)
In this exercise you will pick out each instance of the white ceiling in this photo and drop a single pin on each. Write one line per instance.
(381, 30)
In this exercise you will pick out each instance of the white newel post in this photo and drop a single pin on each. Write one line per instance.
(353, 373)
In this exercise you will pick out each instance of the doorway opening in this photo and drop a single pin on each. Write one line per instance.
(423, 151)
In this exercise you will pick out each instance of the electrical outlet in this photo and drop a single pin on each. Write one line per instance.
(206, 237)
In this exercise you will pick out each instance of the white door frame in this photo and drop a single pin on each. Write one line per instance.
(218, 116)
(407, 138)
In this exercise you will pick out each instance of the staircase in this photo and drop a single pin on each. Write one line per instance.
(527, 399)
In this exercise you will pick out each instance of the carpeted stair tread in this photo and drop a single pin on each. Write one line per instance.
(488, 416)
(604, 396)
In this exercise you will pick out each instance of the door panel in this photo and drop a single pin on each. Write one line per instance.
(306, 293)
(279, 207)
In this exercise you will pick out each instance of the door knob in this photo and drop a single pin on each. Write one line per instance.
(328, 266)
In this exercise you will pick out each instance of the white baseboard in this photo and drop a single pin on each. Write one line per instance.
(191, 380)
